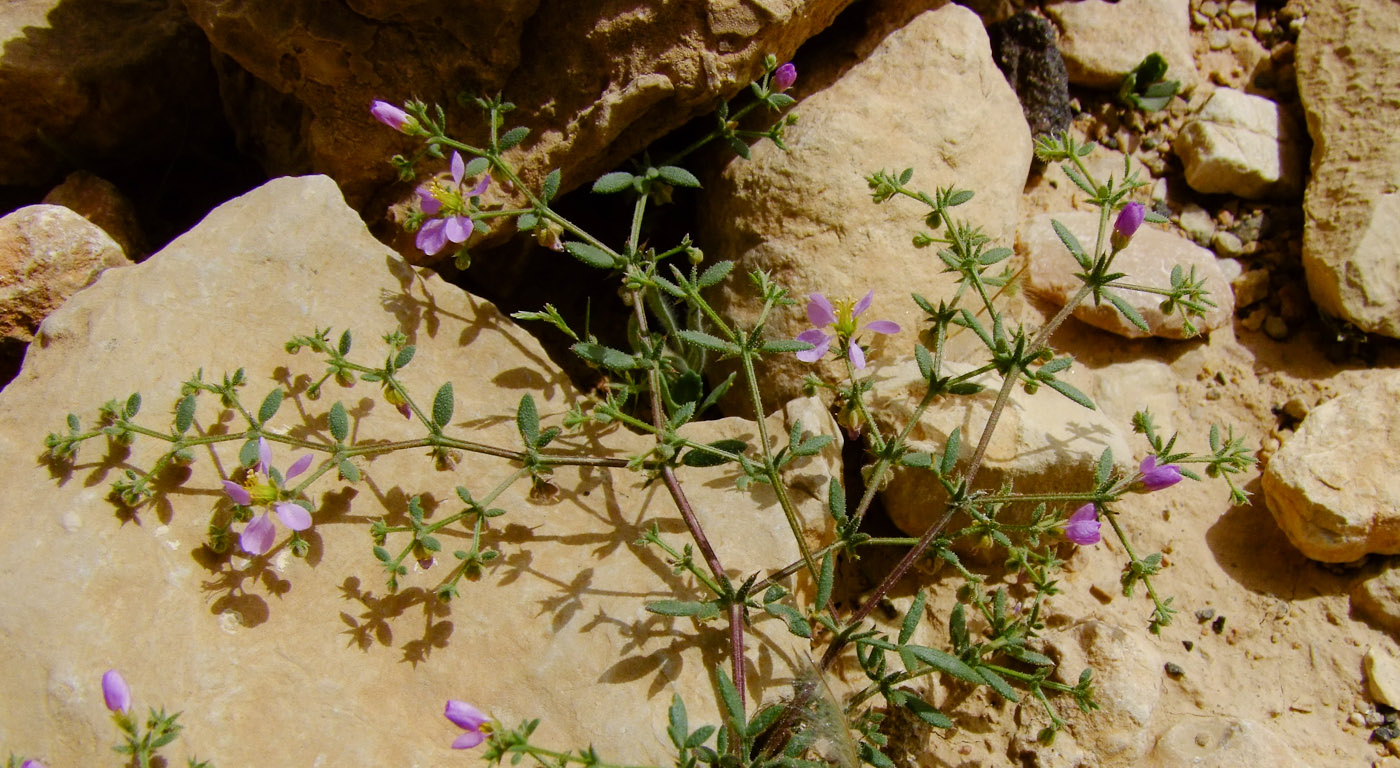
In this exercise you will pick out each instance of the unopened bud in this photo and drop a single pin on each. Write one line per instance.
(1129, 219)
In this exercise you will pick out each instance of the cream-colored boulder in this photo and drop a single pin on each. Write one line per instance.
(1148, 260)
(47, 253)
(280, 660)
(1103, 41)
(1127, 684)
(926, 95)
(1334, 486)
(1347, 54)
(1220, 742)
(1241, 144)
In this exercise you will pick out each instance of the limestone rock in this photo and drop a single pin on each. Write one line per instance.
(1127, 683)
(1043, 443)
(47, 253)
(82, 82)
(927, 95)
(1346, 55)
(1331, 511)
(1377, 598)
(287, 661)
(100, 202)
(1220, 742)
(594, 83)
(1148, 260)
(1243, 145)
(1103, 41)
(1382, 677)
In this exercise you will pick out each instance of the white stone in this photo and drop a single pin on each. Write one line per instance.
(1243, 145)
(1102, 41)
(1382, 677)
(1127, 684)
(1220, 742)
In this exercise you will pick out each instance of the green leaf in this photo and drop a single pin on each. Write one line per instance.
(616, 181)
(344, 345)
(698, 458)
(706, 341)
(950, 452)
(443, 405)
(133, 405)
(73, 424)
(551, 185)
(405, 356)
(270, 404)
(339, 421)
(781, 100)
(926, 712)
(715, 273)
(1031, 657)
(812, 445)
(612, 359)
(593, 257)
(1105, 466)
(527, 221)
(1072, 243)
(945, 662)
(678, 177)
(697, 609)
(1069, 391)
(527, 420)
(475, 166)
(959, 197)
(796, 622)
(763, 720)
(905, 176)
(1127, 310)
(729, 696)
(679, 724)
(348, 471)
(513, 136)
(1078, 179)
(925, 360)
(184, 413)
(826, 581)
(740, 148)
(998, 684)
(957, 628)
(994, 255)
(836, 500)
(911, 619)
(248, 454)
(780, 346)
(917, 459)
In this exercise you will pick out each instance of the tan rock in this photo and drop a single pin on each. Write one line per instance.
(1127, 683)
(1377, 598)
(100, 202)
(1103, 41)
(1382, 677)
(1330, 510)
(85, 82)
(1148, 260)
(1351, 235)
(1043, 443)
(287, 661)
(593, 83)
(927, 95)
(47, 253)
(1220, 742)
(1243, 145)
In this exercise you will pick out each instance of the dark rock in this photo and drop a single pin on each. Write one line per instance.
(1024, 48)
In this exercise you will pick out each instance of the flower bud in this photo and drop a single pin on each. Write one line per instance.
(1129, 219)
(115, 692)
(784, 77)
(393, 117)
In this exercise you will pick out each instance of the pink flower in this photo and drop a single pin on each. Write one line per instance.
(449, 199)
(784, 77)
(32, 764)
(115, 691)
(264, 488)
(1155, 478)
(393, 117)
(1129, 219)
(1083, 526)
(842, 318)
(472, 720)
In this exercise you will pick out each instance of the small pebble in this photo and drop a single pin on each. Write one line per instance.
(1357, 719)
(1219, 40)
(1227, 244)
(1210, 8)
(1218, 625)
(1373, 718)
(1275, 328)
(1174, 670)
(1188, 645)
(1205, 614)
(1295, 408)
(1387, 732)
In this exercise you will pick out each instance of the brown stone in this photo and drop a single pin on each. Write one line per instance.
(47, 254)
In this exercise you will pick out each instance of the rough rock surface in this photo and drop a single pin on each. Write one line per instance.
(617, 75)
(1331, 511)
(1127, 682)
(100, 202)
(1025, 50)
(306, 654)
(1043, 442)
(926, 95)
(1148, 260)
(1347, 54)
(1382, 677)
(47, 253)
(1102, 41)
(1377, 598)
(1221, 742)
(1243, 145)
(79, 77)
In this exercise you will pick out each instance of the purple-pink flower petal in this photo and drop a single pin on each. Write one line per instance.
(300, 466)
(264, 456)
(480, 187)
(1155, 478)
(115, 692)
(863, 304)
(258, 535)
(822, 342)
(1083, 526)
(427, 201)
(459, 167)
(468, 739)
(784, 77)
(882, 326)
(389, 115)
(856, 355)
(458, 228)
(238, 493)
(464, 715)
(819, 311)
(432, 237)
(32, 764)
(293, 516)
